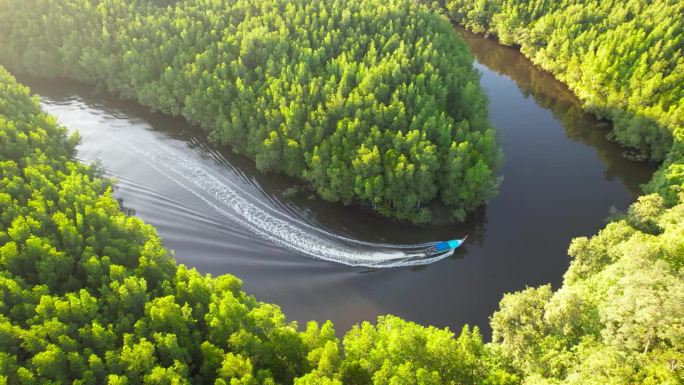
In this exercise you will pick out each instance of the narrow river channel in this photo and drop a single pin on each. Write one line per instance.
(221, 216)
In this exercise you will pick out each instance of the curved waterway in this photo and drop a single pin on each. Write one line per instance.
(323, 261)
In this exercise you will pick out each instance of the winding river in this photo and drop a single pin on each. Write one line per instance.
(323, 261)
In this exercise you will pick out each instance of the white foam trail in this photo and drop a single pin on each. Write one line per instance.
(204, 179)
(188, 172)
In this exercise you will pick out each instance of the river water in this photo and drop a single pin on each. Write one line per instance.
(561, 177)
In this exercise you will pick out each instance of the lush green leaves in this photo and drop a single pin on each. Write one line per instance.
(371, 102)
(623, 59)
(88, 295)
(618, 317)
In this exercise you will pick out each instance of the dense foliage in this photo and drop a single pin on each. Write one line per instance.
(623, 59)
(619, 316)
(369, 101)
(89, 295)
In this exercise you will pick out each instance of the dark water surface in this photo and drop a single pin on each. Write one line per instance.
(561, 176)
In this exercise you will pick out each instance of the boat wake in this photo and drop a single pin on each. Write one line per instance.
(207, 180)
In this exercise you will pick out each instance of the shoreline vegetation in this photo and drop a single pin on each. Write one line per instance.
(623, 60)
(617, 319)
(625, 63)
(90, 295)
(369, 102)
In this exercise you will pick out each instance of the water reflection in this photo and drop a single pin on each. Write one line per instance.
(553, 95)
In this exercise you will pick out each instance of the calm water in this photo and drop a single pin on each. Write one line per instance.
(561, 177)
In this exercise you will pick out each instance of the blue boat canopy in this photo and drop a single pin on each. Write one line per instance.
(448, 245)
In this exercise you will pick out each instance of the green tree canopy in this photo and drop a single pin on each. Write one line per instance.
(304, 87)
(623, 59)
